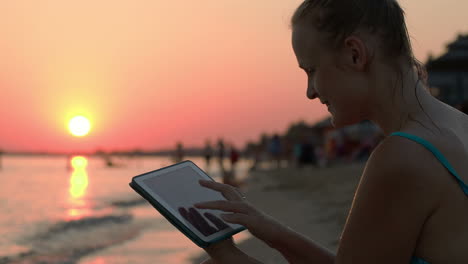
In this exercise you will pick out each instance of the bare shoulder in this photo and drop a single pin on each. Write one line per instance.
(401, 161)
(395, 197)
(404, 170)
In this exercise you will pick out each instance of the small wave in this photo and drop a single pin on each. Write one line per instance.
(129, 203)
(66, 242)
(83, 223)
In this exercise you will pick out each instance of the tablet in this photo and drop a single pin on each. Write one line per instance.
(174, 190)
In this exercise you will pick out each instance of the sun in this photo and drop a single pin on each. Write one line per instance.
(79, 126)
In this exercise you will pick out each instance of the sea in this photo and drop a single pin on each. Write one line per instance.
(78, 209)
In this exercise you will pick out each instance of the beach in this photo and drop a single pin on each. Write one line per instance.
(313, 201)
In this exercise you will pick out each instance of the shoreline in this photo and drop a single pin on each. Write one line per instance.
(318, 198)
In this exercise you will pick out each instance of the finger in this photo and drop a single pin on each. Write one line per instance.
(193, 219)
(196, 223)
(226, 206)
(202, 223)
(229, 192)
(184, 213)
(241, 219)
(216, 221)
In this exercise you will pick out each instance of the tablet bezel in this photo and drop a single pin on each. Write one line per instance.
(139, 180)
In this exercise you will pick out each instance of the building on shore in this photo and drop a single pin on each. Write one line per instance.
(448, 74)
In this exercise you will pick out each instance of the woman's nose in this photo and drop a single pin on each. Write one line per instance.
(311, 92)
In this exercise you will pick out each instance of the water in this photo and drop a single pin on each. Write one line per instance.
(87, 214)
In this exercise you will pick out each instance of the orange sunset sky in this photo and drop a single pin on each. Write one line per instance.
(148, 73)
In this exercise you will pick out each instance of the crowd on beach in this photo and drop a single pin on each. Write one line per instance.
(319, 145)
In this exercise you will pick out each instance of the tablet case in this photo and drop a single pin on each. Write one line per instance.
(173, 220)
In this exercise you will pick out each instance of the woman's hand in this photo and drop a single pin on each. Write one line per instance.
(295, 247)
(240, 211)
(200, 223)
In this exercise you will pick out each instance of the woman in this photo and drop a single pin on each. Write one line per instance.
(411, 205)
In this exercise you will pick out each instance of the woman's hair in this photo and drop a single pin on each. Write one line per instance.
(341, 18)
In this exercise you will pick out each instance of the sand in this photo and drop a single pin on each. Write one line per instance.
(313, 201)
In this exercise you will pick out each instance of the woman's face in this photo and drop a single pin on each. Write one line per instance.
(339, 87)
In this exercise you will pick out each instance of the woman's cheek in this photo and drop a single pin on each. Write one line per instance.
(319, 85)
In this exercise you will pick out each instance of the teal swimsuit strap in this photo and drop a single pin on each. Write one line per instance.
(443, 160)
(416, 260)
(437, 154)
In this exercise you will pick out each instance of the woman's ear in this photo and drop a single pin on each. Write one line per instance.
(356, 53)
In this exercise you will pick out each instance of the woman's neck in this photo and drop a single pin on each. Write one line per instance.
(401, 99)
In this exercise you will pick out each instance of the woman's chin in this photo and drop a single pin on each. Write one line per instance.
(338, 122)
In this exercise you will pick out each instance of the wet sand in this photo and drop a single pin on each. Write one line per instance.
(313, 201)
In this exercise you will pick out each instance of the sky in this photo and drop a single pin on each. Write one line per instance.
(149, 73)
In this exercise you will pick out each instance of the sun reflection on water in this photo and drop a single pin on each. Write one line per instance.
(79, 207)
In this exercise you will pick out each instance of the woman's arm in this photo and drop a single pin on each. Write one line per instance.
(226, 252)
(297, 248)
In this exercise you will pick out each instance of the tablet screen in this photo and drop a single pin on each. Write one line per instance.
(178, 190)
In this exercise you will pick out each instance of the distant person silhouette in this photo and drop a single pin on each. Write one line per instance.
(179, 153)
(257, 156)
(229, 176)
(297, 153)
(275, 149)
(307, 153)
(208, 153)
(234, 157)
(221, 153)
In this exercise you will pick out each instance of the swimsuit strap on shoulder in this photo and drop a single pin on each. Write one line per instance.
(437, 154)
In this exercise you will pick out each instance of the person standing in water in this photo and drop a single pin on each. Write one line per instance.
(179, 153)
(221, 150)
(411, 205)
(208, 153)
